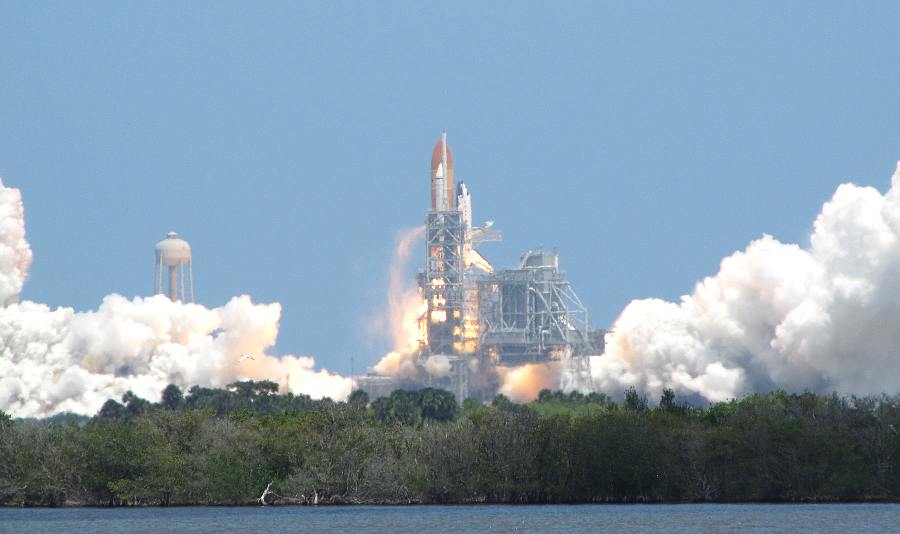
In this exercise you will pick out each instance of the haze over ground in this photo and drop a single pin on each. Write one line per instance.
(289, 144)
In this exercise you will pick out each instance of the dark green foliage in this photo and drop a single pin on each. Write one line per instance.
(438, 404)
(253, 390)
(667, 400)
(470, 406)
(252, 397)
(134, 405)
(412, 407)
(223, 446)
(634, 402)
(358, 398)
(172, 397)
(502, 402)
(111, 410)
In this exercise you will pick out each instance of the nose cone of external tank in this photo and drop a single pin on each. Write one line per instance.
(436, 156)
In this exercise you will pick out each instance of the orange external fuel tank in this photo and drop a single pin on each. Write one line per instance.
(443, 192)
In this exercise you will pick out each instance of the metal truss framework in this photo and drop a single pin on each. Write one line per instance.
(532, 314)
(443, 284)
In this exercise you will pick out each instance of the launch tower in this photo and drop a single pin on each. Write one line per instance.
(477, 318)
(452, 264)
(444, 264)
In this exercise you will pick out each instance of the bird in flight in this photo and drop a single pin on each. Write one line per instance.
(246, 357)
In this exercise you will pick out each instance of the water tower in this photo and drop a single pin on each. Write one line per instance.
(172, 255)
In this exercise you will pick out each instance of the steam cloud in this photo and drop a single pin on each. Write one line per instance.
(523, 383)
(15, 254)
(823, 318)
(405, 305)
(60, 360)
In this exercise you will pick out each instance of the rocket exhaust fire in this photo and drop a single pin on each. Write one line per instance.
(448, 351)
(776, 315)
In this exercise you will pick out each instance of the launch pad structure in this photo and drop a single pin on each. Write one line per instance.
(476, 318)
(442, 283)
(532, 313)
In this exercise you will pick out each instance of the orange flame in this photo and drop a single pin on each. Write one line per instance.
(522, 384)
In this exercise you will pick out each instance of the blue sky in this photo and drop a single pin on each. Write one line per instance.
(290, 142)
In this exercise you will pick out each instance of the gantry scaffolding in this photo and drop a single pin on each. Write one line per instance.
(532, 314)
(477, 318)
(442, 285)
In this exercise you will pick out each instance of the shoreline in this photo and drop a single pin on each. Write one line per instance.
(457, 504)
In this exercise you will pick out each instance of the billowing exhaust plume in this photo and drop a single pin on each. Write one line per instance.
(15, 254)
(60, 360)
(824, 318)
(405, 306)
(523, 383)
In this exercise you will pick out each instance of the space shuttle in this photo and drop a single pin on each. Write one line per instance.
(446, 197)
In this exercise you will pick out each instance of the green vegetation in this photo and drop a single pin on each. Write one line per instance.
(213, 446)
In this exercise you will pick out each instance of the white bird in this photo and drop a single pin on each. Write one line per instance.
(246, 357)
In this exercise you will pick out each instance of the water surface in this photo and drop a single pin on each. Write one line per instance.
(363, 519)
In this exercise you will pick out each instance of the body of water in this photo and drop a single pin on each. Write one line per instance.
(362, 519)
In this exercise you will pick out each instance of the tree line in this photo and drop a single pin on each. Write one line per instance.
(224, 446)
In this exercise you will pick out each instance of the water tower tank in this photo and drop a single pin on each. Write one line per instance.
(173, 254)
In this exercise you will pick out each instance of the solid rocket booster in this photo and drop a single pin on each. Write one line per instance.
(464, 202)
(443, 193)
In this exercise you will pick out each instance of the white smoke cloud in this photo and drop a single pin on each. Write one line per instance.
(824, 318)
(404, 307)
(60, 360)
(437, 365)
(15, 254)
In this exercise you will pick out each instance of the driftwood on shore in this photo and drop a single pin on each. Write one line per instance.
(268, 491)
(269, 497)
